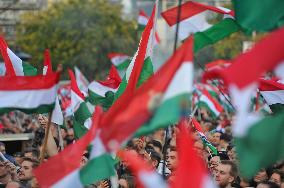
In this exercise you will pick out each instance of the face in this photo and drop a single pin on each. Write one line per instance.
(214, 163)
(172, 160)
(260, 176)
(275, 178)
(223, 177)
(216, 139)
(26, 171)
(232, 154)
(123, 183)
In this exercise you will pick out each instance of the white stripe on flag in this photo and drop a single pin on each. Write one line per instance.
(142, 20)
(273, 97)
(71, 180)
(27, 99)
(100, 89)
(16, 62)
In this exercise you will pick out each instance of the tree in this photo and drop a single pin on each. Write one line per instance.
(77, 32)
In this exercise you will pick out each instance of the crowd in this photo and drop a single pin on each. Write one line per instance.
(159, 149)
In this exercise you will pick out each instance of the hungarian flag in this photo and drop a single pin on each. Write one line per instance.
(32, 94)
(170, 82)
(273, 93)
(259, 16)
(191, 172)
(81, 114)
(81, 80)
(193, 20)
(64, 170)
(208, 102)
(120, 61)
(142, 22)
(249, 130)
(145, 175)
(57, 115)
(141, 67)
(201, 134)
(102, 92)
(176, 95)
(14, 65)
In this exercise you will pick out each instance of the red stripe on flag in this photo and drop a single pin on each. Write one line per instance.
(188, 10)
(258, 60)
(74, 86)
(270, 85)
(217, 105)
(142, 13)
(8, 64)
(113, 80)
(14, 83)
(47, 61)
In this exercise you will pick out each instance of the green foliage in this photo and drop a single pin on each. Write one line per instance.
(77, 32)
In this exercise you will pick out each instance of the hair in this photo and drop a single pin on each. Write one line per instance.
(35, 163)
(34, 151)
(156, 143)
(173, 148)
(129, 179)
(2, 144)
(233, 170)
(154, 156)
(270, 184)
(225, 137)
(280, 173)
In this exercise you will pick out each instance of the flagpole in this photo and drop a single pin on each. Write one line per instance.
(175, 47)
(47, 130)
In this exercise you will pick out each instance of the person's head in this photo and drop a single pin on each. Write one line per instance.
(159, 135)
(31, 153)
(126, 181)
(27, 167)
(277, 177)
(227, 172)
(154, 158)
(18, 157)
(213, 162)
(172, 159)
(267, 184)
(224, 142)
(231, 150)
(156, 145)
(216, 138)
(261, 176)
(2, 148)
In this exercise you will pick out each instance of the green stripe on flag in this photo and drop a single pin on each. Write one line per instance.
(167, 114)
(146, 72)
(123, 65)
(97, 169)
(96, 99)
(82, 113)
(202, 104)
(275, 108)
(28, 69)
(79, 129)
(262, 145)
(215, 33)
(39, 110)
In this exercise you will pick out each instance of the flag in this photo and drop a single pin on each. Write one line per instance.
(102, 92)
(57, 115)
(192, 17)
(246, 126)
(63, 170)
(140, 67)
(81, 114)
(201, 134)
(146, 176)
(259, 16)
(273, 93)
(177, 94)
(120, 61)
(142, 22)
(129, 112)
(190, 172)
(32, 94)
(208, 102)
(81, 80)
(14, 65)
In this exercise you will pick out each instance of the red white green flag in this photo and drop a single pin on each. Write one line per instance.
(119, 60)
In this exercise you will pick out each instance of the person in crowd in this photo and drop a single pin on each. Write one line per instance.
(172, 160)
(261, 176)
(277, 177)
(267, 184)
(25, 172)
(226, 175)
